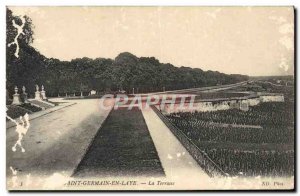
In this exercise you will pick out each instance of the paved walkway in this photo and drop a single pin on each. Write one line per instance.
(34, 115)
(56, 142)
(175, 159)
(59, 141)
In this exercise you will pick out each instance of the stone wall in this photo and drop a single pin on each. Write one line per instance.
(233, 103)
(272, 98)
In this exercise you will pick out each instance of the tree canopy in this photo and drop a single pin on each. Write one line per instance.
(126, 71)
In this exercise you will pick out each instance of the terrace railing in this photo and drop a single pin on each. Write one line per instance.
(205, 162)
(226, 86)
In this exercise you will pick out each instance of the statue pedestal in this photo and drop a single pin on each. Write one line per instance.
(16, 100)
(38, 96)
(43, 95)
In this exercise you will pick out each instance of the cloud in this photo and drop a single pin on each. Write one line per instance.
(214, 13)
(278, 19)
(286, 28)
(283, 64)
(287, 42)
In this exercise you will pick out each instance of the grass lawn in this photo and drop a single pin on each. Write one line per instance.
(122, 147)
(20, 110)
(252, 152)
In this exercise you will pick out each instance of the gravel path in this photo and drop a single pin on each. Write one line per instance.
(176, 160)
(56, 142)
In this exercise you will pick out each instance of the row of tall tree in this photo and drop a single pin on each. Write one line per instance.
(125, 72)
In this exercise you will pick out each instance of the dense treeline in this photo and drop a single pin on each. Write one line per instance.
(125, 72)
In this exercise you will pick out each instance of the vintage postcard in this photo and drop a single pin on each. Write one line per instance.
(150, 98)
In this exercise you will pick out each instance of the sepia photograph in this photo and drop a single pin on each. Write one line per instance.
(150, 98)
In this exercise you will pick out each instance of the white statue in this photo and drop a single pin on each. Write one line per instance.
(37, 87)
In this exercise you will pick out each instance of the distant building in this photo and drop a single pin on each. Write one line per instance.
(122, 91)
(93, 92)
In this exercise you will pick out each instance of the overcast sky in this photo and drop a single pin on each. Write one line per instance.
(245, 40)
